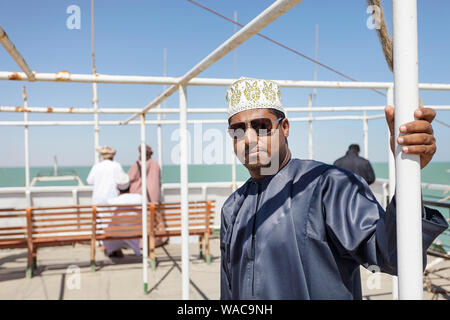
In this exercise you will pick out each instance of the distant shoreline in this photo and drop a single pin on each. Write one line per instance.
(167, 165)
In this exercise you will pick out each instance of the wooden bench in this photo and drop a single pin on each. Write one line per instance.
(43, 227)
(14, 233)
(165, 221)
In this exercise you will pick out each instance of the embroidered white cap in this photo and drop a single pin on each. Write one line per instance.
(105, 150)
(248, 93)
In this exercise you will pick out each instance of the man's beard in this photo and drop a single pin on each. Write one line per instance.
(262, 158)
(267, 165)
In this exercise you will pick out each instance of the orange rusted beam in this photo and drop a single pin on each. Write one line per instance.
(14, 53)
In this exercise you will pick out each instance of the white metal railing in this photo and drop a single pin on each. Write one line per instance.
(173, 186)
(67, 77)
(170, 191)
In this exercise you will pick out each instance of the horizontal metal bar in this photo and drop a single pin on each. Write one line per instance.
(374, 117)
(71, 110)
(167, 186)
(66, 76)
(300, 119)
(173, 122)
(430, 186)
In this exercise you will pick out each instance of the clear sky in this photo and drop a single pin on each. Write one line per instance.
(130, 37)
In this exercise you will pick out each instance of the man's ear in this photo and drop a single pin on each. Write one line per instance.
(285, 127)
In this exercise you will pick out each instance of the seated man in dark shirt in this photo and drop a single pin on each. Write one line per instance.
(356, 164)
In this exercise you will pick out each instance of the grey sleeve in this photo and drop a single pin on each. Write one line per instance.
(360, 229)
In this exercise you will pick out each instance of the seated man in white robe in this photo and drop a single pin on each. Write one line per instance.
(113, 248)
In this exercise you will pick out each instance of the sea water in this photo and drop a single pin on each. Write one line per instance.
(435, 172)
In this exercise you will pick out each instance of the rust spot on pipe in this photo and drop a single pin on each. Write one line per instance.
(62, 75)
(70, 110)
(3, 34)
(21, 109)
(14, 76)
(49, 110)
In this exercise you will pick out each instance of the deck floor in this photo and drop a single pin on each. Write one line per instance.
(122, 278)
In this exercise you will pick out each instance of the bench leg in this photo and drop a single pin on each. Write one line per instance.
(200, 241)
(208, 255)
(29, 271)
(34, 256)
(151, 253)
(93, 266)
(152, 263)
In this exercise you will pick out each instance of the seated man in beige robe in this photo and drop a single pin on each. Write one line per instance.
(153, 174)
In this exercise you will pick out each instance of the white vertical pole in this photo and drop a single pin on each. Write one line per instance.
(233, 163)
(75, 196)
(184, 194)
(310, 133)
(391, 166)
(312, 100)
(390, 102)
(366, 136)
(408, 193)
(159, 129)
(159, 138)
(55, 166)
(27, 151)
(234, 51)
(144, 206)
(316, 54)
(96, 126)
(233, 173)
(94, 87)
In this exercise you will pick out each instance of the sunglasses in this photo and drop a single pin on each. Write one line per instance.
(262, 126)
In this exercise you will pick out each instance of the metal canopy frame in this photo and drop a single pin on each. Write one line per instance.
(180, 84)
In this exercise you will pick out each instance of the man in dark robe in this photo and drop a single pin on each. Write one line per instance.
(300, 229)
(356, 164)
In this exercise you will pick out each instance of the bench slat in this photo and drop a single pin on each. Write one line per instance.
(202, 217)
(179, 225)
(135, 227)
(168, 214)
(13, 216)
(61, 239)
(61, 213)
(62, 231)
(64, 219)
(38, 227)
(13, 228)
